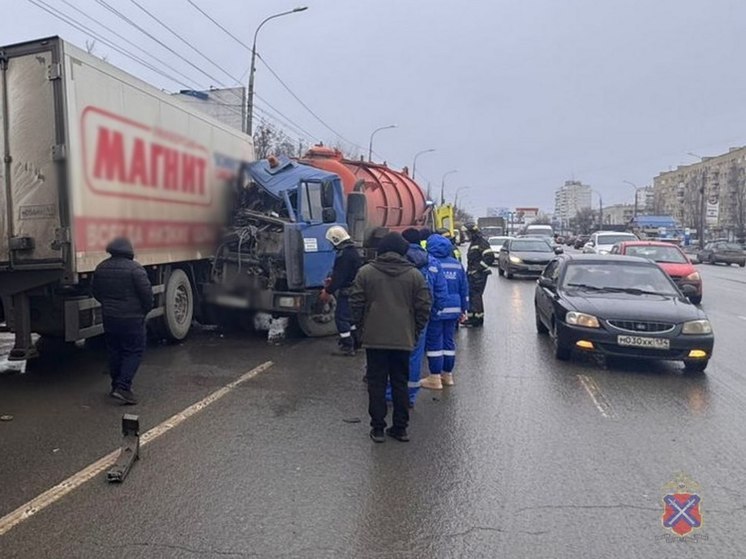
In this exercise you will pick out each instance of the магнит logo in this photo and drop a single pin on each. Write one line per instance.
(682, 512)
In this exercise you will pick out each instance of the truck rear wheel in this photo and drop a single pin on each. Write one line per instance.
(178, 307)
(320, 323)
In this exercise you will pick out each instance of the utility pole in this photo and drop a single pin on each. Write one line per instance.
(702, 209)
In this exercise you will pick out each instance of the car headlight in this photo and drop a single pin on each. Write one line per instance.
(515, 260)
(694, 276)
(697, 327)
(582, 319)
(602, 251)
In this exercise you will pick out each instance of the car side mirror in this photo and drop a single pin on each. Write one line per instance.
(329, 215)
(559, 250)
(689, 291)
(547, 283)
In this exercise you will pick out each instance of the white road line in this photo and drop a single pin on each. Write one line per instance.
(24, 512)
(599, 400)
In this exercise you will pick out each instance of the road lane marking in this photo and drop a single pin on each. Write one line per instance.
(50, 496)
(599, 400)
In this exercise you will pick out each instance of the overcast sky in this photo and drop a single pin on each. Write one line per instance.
(518, 95)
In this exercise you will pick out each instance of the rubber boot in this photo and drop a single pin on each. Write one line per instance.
(447, 379)
(432, 382)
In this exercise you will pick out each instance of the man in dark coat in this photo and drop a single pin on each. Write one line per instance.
(390, 303)
(478, 261)
(346, 264)
(122, 287)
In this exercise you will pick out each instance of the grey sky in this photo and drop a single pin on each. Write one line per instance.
(517, 95)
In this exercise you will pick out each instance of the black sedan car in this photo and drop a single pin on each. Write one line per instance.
(722, 251)
(525, 255)
(620, 306)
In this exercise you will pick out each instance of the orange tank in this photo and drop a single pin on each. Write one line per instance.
(394, 199)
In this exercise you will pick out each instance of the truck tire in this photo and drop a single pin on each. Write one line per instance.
(178, 307)
(319, 324)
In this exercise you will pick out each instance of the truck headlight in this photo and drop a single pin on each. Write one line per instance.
(582, 319)
(515, 260)
(697, 327)
(694, 276)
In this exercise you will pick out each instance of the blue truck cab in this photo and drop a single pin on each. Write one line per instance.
(274, 256)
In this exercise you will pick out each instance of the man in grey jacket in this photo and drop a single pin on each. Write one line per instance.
(390, 304)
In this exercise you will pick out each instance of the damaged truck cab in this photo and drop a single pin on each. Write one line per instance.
(274, 256)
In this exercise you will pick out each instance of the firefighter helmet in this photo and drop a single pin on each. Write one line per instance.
(337, 235)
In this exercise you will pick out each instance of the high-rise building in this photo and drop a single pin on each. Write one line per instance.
(570, 198)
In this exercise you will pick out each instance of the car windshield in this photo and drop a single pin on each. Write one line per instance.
(497, 241)
(530, 245)
(613, 239)
(658, 253)
(617, 276)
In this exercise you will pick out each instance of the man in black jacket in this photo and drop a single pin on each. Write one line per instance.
(346, 265)
(122, 287)
(478, 261)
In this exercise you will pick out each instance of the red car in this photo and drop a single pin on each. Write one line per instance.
(669, 257)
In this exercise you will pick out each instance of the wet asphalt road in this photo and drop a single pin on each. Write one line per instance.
(517, 460)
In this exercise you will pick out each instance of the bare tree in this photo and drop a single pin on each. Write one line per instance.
(582, 223)
(542, 219)
(272, 141)
(737, 192)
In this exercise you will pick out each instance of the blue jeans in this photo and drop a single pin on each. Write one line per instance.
(125, 342)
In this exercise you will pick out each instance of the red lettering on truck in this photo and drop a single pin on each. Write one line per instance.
(128, 159)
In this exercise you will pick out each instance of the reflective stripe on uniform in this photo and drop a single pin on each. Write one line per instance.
(438, 353)
(450, 265)
(484, 264)
(345, 334)
(451, 310)
(414, 384)
(449, 353)
(475, 248)
(353, 327)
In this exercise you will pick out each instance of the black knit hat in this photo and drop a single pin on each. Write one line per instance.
(393, 242)
(412, 235)
(425, 234)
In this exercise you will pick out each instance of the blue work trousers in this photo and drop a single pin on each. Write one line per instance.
(441, 346)
(415, 370)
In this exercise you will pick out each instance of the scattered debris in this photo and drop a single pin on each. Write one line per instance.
(12, 367)
(130, 449)
(55, 450)
(277, 328)
(6, 418)
(352, 420)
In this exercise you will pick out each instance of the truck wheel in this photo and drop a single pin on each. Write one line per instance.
(742, 264)
(319, 323)
(178, 306)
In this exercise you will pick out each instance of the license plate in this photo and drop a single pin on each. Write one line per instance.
(538, 268)
(639, 341)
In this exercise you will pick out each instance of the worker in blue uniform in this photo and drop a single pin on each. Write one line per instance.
(441, 330)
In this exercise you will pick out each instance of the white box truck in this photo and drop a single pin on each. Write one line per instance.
(89, 153)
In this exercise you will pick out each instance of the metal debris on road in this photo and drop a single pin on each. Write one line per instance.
(6, 418)
(352, 420)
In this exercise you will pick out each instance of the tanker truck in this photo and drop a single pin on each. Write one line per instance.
(90, 153)
(274, 256)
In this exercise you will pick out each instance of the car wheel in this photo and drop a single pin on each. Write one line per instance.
(696, 300)
(711, 260)
(540, 327)
(561, 352)
(698, 366)
(742, 264)
(508, 273)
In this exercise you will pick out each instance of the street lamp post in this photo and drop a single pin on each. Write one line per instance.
(416, 155)
(443, 185)
(702, 202)
(248, 128)
(600, 209)
(370, 144)
(459, 189)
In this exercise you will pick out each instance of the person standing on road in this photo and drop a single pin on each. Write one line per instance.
(441, 330)
(479, 258)
(346, 265)
(430, 269)
(390, 304)
(122, 287)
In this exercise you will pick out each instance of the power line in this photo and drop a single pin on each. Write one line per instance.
(93, 34)
(180, 38)
(126, 40)
(208, 16)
